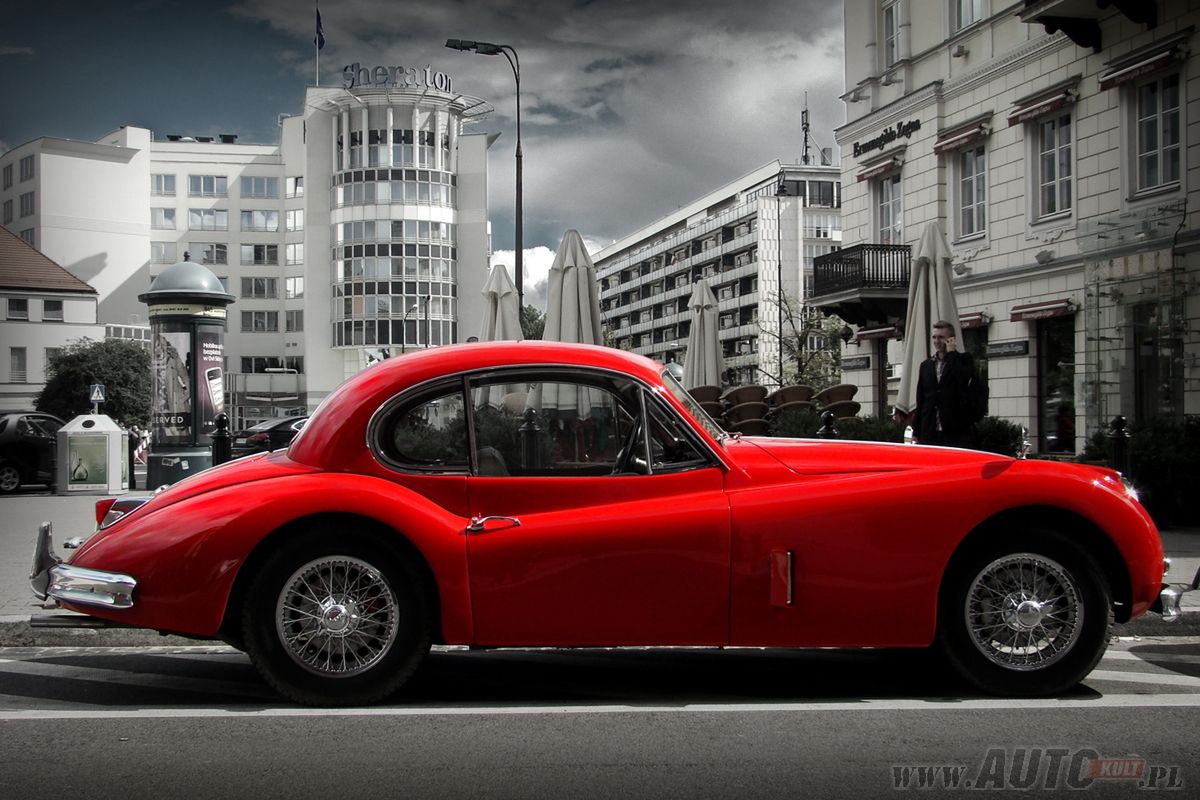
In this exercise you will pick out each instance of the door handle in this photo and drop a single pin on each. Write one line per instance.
(492, 523)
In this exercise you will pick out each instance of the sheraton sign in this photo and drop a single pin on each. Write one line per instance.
(399, 77)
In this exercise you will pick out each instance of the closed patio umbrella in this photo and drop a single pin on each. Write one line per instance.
(702, 366)
(572, 315)
(930, 298)
(501, 316)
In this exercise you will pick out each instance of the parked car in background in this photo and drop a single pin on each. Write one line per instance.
(270, 435)
(27, 440)
(513, 494)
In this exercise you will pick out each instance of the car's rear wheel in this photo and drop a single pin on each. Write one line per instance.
(10, 478)
(336, 622)
(1029, 615)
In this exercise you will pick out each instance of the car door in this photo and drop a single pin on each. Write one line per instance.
(598, 519)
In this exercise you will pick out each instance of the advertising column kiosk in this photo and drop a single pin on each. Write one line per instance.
(187, 330)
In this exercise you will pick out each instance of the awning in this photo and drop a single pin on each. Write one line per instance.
(1124, 72)
(881, 168)
(1042, 105)
(960, 138)
(885, 332)
(978, 319)
(1042, 310)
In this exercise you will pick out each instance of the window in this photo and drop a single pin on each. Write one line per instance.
(260, 221)
(260, 321)
(260, 288)
(8, 211)
(208, 219)
(1054, 166)
(891, 229)
(163, 253)
(162, 218)
(967, 12)
(294, 254)
(891, 32)
(293, 321)
(162, 185)
(295, 219)
(8, 176)
(293, 288)
(27, 236)
(27, 168)
(1056, 384)
(260, 187)
(260, 254)
(17, 365)
(18, 308)
(294, 187)
(208, 185)
(27, 204)
(210, 253)
(1158, 123)
(52, 353)
(972, 191)
(52, 310)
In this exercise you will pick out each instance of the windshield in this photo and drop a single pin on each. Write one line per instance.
(693, 407)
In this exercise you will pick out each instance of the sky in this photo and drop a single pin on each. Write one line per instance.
(630, 108)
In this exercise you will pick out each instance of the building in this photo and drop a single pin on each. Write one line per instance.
(44, 307)
(1054, 143)
(362, 232)
(747, 239)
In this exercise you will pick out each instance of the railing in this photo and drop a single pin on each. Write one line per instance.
(863, 266)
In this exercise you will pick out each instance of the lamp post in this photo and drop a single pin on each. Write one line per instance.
(489, 49)
(426, 299)
(404, 329)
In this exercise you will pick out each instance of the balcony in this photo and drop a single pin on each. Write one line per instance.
(866, 283)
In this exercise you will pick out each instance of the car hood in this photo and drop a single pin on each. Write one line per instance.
(817, 457)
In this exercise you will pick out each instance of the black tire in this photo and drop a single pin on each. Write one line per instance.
(10, 477)
(353, 644)
(1026, 614)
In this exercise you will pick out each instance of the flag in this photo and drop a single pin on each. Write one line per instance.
(319, 41)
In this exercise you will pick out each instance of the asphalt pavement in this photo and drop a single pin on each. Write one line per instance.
(74, 515)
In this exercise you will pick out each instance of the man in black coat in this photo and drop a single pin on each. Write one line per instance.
(944, 413)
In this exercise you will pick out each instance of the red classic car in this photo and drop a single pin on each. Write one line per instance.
(536, 493)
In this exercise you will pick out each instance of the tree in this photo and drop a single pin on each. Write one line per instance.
(121, 365)
(533, 322)
(811, 353)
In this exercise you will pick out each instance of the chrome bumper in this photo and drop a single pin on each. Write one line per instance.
(1171, 595)
(50, 577)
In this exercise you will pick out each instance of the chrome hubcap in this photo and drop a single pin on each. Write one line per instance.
(337, 616)
(10, 479)
(1024, 611)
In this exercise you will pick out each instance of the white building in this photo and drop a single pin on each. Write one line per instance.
(42, 307)
(1054, 143)
(747, 238)
(361, 233)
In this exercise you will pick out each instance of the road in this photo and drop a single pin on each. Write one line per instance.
(688, 723)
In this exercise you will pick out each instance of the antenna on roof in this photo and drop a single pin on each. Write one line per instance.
(804, 127)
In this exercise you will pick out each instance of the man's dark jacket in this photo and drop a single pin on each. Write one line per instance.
(951, 396)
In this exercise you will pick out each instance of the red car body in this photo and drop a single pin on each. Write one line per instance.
(772, 542)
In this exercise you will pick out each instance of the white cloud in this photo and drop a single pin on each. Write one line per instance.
(535, 268)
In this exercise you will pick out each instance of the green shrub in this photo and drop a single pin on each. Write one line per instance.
(870, 429)
(796, 424)
(997, 435)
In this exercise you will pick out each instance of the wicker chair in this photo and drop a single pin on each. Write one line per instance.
(835, 394)
(742, 412)
(751, 427)
(790, 394)
(705, 394)
(843, 409)
(744, 394)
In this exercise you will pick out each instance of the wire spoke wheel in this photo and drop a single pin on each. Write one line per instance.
(337, 616)
(1024, 611)
(10, 478)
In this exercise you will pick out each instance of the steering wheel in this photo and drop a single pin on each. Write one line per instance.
(628, 458)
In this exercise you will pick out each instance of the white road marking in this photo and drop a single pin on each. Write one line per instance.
(1127, 655)
(1160, 678)
(950, 704)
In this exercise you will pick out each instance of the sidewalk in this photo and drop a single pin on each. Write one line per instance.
(21, 514)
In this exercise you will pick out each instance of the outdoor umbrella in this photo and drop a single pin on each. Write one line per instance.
(572, 315)
(501, 316)
(930, 298)
(703, 364)
(501, 321)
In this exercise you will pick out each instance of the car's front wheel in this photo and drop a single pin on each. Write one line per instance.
(336, 622)
(1029, 615)
(10, 478)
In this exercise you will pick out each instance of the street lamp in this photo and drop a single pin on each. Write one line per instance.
(404, 328)
(489, 49)
(426, 299)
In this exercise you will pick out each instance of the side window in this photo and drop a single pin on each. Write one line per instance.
(428, 434)
(670, 446)
(556, 428)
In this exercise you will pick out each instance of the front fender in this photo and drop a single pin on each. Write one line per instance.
(186, 556)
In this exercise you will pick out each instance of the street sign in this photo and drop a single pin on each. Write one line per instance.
(97, 393)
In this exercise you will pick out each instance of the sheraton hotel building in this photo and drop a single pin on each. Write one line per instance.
(362, 233)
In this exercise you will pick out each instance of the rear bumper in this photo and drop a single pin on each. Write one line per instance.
(50, 577)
